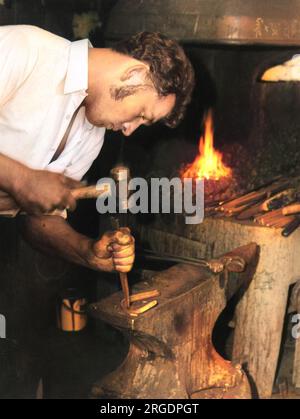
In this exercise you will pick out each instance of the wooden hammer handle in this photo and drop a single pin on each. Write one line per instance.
(87, 192)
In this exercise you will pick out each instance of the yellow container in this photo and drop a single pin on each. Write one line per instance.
(71, 313)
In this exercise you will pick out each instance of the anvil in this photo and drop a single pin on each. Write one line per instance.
(171, 354)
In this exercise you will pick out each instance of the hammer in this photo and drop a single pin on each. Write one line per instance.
(86, 192)
(121, 175)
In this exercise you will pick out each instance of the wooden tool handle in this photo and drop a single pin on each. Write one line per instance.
(8, 206)
(291, 227)
(291, 209)
(255, 197)
(289, 195)
(89, 192)
(250, 212)
(9, 213)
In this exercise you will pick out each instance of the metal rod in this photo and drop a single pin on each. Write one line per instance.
(151, 255)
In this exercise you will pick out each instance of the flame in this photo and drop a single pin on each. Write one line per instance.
(208, 164)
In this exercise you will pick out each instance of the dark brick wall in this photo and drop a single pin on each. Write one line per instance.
(53, 15)
(34, 12)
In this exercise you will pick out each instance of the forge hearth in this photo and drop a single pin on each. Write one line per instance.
(260, 314)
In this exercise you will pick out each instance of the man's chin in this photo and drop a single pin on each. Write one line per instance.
(94, 121)
(97, 123)
(101, 124)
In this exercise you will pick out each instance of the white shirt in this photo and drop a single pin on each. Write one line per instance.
(43, 80)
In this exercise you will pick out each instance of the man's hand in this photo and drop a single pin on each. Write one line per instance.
(53, 235)
(41, 191)
(36, 191)
(115, 251)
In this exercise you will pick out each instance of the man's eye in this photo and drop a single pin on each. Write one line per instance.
(148, 123)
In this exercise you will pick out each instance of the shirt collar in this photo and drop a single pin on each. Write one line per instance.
(77, 73)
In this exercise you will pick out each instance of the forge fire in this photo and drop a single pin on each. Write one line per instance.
(208, 165)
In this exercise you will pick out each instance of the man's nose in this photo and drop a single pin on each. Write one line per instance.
(130, 127)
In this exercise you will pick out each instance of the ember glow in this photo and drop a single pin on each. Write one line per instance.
(208, 164)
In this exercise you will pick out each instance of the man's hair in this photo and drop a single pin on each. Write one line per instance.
(170, 70)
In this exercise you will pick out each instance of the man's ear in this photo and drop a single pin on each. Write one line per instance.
(137, 74)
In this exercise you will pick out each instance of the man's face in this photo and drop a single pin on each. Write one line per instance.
(142, 107)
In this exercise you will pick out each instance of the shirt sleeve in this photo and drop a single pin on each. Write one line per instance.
(17, 59)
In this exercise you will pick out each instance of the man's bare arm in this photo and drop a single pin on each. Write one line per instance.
(53, 235)
(10, 173)
(35, 191)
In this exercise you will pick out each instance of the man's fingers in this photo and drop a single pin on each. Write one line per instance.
(123, 261)
(121, 247)
(125, 230)
(123, 238)
(108, 235)
(124, 253)
(70, 203)
(123, 250)
(116, 245)
(35, 210)
(123, 264)
(103, 247)
(72, 183)
(122, 235)
(67, 202)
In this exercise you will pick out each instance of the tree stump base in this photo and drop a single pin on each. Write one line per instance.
(260, 314)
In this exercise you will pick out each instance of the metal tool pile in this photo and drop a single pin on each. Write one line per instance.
(276, 205)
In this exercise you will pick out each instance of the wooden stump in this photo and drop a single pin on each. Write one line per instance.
(260, 314)
(171, 351)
